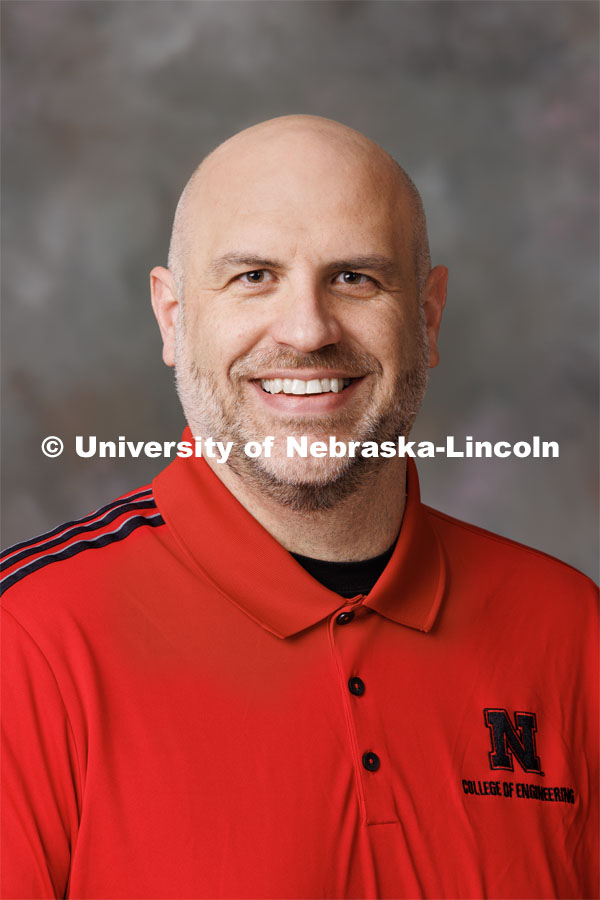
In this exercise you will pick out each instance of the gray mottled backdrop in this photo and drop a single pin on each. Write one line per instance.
(491, 106)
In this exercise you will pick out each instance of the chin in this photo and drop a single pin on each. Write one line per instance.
(307, 471)
(305, 484)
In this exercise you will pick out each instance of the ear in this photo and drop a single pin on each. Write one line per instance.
(165, 304)
(434, 300)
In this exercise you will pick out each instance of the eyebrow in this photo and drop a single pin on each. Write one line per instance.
(375, 262)
(235, 260)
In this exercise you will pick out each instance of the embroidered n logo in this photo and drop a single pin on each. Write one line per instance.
(509, 741)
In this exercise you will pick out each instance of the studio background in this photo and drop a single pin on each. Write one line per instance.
(490, 106)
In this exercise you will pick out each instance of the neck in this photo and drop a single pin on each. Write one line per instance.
(361, 526)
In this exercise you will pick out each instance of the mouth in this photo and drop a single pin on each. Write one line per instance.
(302, 386)
(287, 393)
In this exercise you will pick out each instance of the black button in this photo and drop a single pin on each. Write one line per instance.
(371, 761)
(344, 618)
(356, 686)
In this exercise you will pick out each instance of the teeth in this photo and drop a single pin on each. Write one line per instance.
(273, 385)
(299, 386)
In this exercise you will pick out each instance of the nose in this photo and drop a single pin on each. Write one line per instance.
(306, 318)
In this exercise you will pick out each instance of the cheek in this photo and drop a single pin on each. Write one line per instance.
(393, 339)
(382, 335)
(218, 337)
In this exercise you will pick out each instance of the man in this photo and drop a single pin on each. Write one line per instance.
(283, 676)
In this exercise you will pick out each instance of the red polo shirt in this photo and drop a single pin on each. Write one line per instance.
(188, 714)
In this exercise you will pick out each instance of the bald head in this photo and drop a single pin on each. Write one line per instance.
(308, 149)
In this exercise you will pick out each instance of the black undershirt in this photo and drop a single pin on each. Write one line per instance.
(346, 578)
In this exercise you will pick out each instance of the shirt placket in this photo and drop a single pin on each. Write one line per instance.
(349, 628)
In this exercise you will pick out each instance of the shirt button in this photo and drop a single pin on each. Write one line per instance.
(371, 761)
(356, 686)
(344, 618)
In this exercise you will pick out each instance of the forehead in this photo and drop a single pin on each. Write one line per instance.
(320, 196)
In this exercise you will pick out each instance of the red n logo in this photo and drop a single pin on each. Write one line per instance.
(509, 741)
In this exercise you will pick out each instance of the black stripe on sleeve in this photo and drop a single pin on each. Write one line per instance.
(80, 529)
(102, 540)
(50, 534)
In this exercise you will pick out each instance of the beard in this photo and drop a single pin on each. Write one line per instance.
(302, 484)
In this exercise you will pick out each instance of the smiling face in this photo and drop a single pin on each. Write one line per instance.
(300, 311)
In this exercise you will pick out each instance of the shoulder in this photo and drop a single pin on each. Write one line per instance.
(492, 560)
(62, 550)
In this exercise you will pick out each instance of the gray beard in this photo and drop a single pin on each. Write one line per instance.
(207, 416)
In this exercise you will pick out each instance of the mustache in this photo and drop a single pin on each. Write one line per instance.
(354, 362)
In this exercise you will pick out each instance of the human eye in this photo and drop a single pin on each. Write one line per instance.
(256, 276)
(354, 279)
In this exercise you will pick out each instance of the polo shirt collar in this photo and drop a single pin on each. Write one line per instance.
(253, 571)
